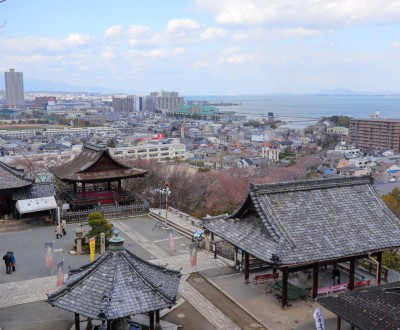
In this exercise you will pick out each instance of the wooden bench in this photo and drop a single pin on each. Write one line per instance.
(327, 290)
(261, 279)
(362, 283)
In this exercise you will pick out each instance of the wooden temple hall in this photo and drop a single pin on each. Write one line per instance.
(309, 224)
(94, 178)
(116, 288)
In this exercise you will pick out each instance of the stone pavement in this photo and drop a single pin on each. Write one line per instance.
(21, 292)
(205, 261)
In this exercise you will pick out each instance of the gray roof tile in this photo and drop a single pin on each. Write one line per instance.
(118, 284)
(309, 221)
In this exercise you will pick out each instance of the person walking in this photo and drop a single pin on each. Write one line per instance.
(7, 261)
(64, 227)
(58, 231)
(13, 261)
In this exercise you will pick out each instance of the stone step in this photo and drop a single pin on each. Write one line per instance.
(13, 225)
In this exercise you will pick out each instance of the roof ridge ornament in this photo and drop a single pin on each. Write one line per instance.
(116, 241)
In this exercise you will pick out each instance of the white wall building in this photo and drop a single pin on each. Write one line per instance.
(158, 151)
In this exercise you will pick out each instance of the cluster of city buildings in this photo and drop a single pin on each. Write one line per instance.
(162, 127)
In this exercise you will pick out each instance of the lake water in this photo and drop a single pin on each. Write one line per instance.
(302, 110)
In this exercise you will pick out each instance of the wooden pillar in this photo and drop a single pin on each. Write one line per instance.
(77, 322)
(352, 273)
(119, 185)
(75, 190)
(285, 278)
(158, 325)
(83, 189)
(338, 323)
(109, 185)
(246, 267)
(379, 270)
(315, 281)
(151, 315)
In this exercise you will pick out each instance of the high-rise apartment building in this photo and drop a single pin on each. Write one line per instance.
(14, 83)
(124, 104)
(375, 133)
(166, 100)
(145, 103)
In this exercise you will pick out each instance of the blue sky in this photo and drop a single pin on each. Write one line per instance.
(205, 46)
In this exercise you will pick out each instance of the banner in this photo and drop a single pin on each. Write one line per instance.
(170, 233)
(193, 254)
(319, 319)
(60, 273)
(92, 243)
(49, 247)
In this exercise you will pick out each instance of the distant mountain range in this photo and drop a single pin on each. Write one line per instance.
(36, 85)
(342, 91)
(336, 91)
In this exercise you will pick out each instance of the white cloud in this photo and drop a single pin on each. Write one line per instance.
(157, 53)
(77, 39)
(41, 44)
(113, 31)
(136, 31)
(108, 53)
(213, 32)
(179, 51)
(396, 44)
(179, 25)
(199, 64)
(234, 56)
(304, 13)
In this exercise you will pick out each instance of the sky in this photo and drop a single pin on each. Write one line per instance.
(205, 47)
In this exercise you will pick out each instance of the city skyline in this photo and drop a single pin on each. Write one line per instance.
(203, 47)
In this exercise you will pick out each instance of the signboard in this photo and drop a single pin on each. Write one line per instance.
(193, 254)
(60, 273)
(49, 248)
(170, 233)
(92, 243)
(319, 319)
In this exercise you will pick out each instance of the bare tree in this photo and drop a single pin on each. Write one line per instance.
(5, 21)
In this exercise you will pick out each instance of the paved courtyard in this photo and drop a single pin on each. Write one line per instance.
(33, 280)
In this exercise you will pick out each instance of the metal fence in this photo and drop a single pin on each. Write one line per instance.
(109, 212)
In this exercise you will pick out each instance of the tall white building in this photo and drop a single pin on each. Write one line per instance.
(14, 83)
(166, 100)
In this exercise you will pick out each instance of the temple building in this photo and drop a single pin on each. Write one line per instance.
(308, 224)
(94, 178)
(116, 286)
(22, 197)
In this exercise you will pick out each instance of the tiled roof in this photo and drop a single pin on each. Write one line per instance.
(310, 220)
(368, 309)
(94, 163)
(11, 177)
(117, 284)
(37, 190)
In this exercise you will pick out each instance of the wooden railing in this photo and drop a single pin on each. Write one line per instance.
(109, 212)
(370, 267)
(78, 201)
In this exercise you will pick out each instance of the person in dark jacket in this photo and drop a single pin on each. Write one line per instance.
(7, 261)
(13, 261)
(336, 275)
